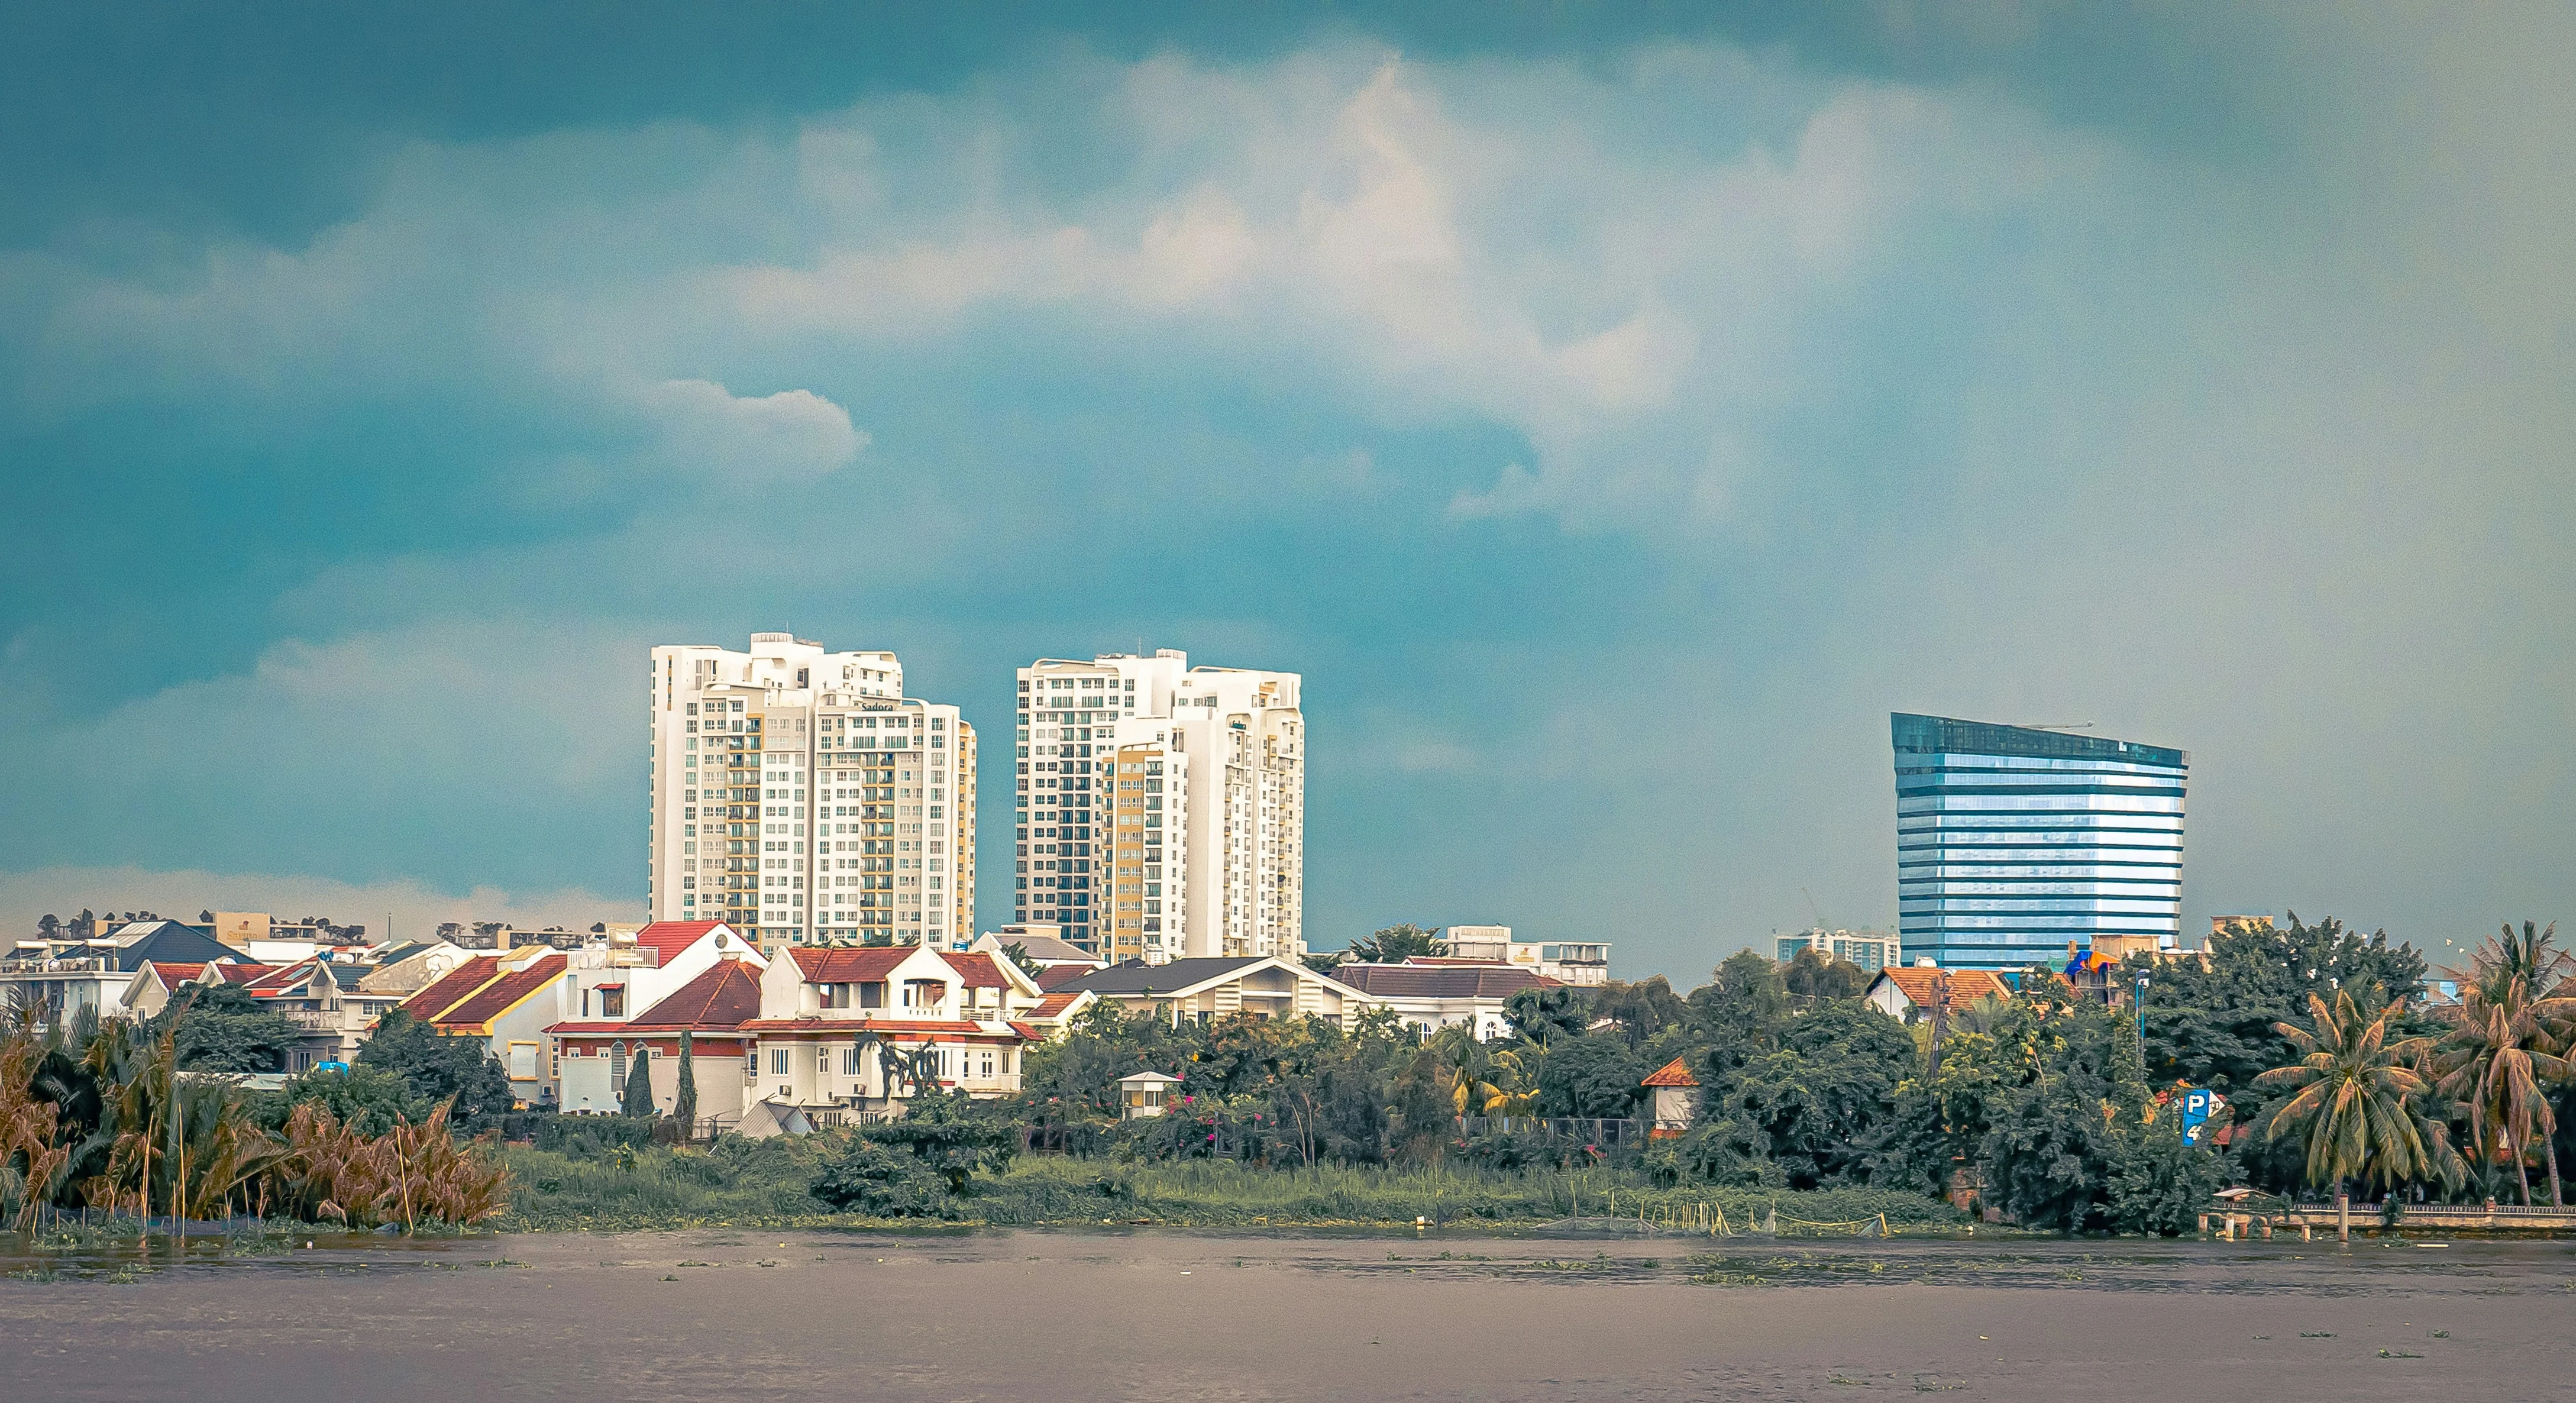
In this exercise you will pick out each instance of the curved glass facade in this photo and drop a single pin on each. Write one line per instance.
(2010, 842)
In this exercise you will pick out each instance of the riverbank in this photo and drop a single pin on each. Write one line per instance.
(765, 1184)
(1145, 1313)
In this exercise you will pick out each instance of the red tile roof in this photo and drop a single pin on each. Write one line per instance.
(1672, 1074)
(504, 993)
(1922, 986)
(241, 973)
(173, 973)
(979, 970)
(1056, 976)
(1054, 1005)
(451, 990)
(850, 966)
(589, 1027)
(672, 937)
(720, 1000)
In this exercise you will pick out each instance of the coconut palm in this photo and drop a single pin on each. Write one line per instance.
(2355, 1100)
(2508, 1046)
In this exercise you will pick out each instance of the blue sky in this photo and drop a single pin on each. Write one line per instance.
(1613, 419)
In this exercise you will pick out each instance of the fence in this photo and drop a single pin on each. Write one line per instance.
(1608, 1134)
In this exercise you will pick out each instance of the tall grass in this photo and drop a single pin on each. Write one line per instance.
(764, 1183)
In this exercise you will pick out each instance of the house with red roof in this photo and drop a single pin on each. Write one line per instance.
(634, 971)
(508, 1000)
(850, 1034)
(594, 1058)
(1912, 993)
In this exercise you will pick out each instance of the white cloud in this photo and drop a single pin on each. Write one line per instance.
(793, 435)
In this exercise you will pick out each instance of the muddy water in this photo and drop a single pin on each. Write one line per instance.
(719, 1314)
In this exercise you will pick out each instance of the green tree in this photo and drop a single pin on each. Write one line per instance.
(953, 1136)
(861, 1176)
(684, 1102)
(1593, 1077)
(222, 1028)
(1822, 1098)
(1018, 954)
(368, 1100)
(435, 1067)
(638, 1101)
(1397, 943)
(2506, 1048)
(2354, 1100)
(1546, 1015)
(1643, 1010)
(1813, 974)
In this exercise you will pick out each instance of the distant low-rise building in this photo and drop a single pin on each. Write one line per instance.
(59, 980)
(1214, 987)
(1872, 950)
(1430, 994)
(1577, 962)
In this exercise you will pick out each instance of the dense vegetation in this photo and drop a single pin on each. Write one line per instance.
(108, 1118)
(2050, 1107)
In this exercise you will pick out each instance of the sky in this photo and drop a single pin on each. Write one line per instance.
(1613, 415)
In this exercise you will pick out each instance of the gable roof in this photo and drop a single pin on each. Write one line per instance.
(1053, 1006)
(238, 972)
(669, 938)
(1045, 949)
(1673, 1073)
(979, 971)
(721, 999)
(1439, 981)
(864, 966)
(172, 972)
(1922, 986)
(1058, 976)
(505, 993)
(1137, 977)
(452, 989)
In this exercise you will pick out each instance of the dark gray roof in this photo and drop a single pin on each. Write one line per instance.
(1438, 981)
(166, 941)
(1138, 978)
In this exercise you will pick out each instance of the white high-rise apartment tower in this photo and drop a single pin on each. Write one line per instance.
(800, 796)
(1160, 808)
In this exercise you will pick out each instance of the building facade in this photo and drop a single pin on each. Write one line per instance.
(1872, 950)
(802, 798)
(2013, 841)
(1160, 808)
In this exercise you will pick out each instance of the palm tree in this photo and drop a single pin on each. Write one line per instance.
(2355, 1100)
(2508, 1046)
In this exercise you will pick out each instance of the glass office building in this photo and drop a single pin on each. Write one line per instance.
(2011, 842)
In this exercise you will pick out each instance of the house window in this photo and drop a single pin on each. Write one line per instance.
(850, 1063)
(617, 1068)
(778, 1061)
